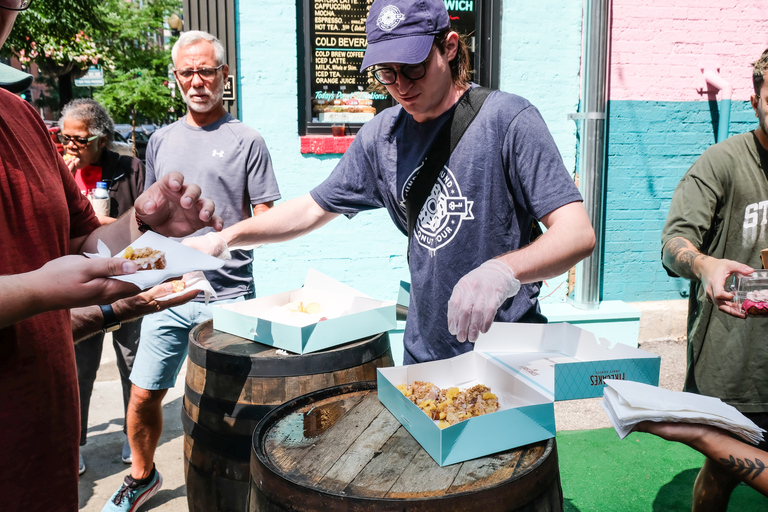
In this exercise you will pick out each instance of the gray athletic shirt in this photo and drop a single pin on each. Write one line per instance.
(505, 172)
(231, 164)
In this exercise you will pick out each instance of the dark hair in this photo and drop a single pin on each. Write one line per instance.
(759, 67)
(461, 69)
(460, 65)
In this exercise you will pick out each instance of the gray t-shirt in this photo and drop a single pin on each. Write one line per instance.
(231, 164)
(505, 172)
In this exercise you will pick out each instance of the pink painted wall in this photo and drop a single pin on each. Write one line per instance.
(658, 46)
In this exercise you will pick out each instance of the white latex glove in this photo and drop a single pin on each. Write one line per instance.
(210, 243)
(476, 298)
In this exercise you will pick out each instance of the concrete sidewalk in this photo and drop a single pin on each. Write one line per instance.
(105, 471)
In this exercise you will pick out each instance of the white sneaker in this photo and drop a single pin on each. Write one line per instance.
(81, 463)
(127, 456)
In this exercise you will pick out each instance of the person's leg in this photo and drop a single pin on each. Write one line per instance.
(88, 359)
(126, 343)
(712, 488)
(145, 425)
(160, 355)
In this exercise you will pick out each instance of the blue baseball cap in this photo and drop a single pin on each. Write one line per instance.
(14, 80)
(402, 31)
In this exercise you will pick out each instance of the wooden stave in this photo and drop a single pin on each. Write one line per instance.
(270, 490)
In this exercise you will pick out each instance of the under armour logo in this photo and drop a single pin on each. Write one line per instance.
(219, 154)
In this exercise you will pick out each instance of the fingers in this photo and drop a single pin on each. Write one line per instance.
(190, 197)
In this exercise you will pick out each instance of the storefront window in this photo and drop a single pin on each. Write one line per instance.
(332, 43)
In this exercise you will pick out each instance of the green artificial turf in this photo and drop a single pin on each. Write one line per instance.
(641, 473)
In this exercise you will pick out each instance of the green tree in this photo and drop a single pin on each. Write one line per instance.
(58, 37)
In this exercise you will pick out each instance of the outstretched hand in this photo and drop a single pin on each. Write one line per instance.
(476, 298)
(713, 273)
(173, 208)
(76, 281)
(210, 243)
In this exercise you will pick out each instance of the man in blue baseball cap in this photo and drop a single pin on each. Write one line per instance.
(471, 256)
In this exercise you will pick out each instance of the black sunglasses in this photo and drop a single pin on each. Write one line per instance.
(186, 74)
(80, 141)
(388, 76)
(15, 5)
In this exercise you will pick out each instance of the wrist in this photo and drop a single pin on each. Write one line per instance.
(142, 226)
(111, 322)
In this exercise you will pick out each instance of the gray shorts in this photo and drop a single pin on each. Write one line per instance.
(164, 343)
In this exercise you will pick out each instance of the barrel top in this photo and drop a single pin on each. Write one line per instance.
(216, 349)
(343, 442)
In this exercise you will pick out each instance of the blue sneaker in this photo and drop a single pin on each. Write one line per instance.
(131, 495)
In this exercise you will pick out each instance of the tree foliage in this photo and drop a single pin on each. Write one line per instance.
(125, 37)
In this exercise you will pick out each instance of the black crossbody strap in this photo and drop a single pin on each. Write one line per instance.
(441, 150)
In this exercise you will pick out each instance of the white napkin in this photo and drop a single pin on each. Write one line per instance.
(628, 403)
(193, 281)
(180, 260)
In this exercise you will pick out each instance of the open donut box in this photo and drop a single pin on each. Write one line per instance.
(528, 367)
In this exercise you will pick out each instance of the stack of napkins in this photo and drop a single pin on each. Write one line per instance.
(628, 403)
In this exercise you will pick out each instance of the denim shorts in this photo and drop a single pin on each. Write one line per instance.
(164, 343)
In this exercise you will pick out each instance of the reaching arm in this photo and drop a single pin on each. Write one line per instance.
(569, 239)
(680, 255)
(89, 320)
(285, 221)
(63, 283)
(744, 460)
(479, 294)
(170, 206)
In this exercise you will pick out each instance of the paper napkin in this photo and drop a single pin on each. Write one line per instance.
(180, 260)
(628, 403)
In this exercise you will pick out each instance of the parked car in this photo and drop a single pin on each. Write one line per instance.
(141, 141)
(53, 129)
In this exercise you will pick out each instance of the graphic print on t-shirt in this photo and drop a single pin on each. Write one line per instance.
(755, 220)
(443, 212)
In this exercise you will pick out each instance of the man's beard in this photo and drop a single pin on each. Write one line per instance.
(214, 99)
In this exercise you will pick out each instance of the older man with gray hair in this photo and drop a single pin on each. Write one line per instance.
(231, 163)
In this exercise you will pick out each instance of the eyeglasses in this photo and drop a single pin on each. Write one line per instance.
(15, 5)
(79, 141)
(388, 76)
(186, 74)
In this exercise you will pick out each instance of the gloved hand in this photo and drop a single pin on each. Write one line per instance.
(210, 243)
(476, 298)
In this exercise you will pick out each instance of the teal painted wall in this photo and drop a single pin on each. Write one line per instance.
(540, 61)
(651, 144)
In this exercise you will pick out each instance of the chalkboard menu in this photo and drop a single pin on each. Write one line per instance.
(339, 92)
(332, 42)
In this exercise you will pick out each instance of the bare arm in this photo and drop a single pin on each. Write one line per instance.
(745, 461)
(89, 320)
(569, 239)
(680, 255)
(63, 283)
(285, 221)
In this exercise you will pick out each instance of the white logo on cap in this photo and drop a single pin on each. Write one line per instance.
(389, 18)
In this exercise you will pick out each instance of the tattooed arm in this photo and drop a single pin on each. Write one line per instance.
(687, 261)
(743, 460)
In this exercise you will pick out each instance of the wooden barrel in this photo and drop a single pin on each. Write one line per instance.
(340, 449)
(231, 384)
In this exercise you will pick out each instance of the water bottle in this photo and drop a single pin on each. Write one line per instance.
(100, 201)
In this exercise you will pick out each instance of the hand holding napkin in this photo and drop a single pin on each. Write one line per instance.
(628, 403)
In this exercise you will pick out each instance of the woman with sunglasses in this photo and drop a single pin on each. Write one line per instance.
(86, 133)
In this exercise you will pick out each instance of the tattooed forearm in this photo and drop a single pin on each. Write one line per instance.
(679, 255)
(743, 467)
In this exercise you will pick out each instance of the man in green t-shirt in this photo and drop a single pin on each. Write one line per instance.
(716, 227)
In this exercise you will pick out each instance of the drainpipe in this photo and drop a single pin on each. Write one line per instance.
(592, 120)
(714, 79)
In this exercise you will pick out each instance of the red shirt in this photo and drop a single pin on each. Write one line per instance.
(87, 177)
(42, 209)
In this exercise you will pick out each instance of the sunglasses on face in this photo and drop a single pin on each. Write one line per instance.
(186, 74)
(15, 5)
(388, 76)
(79, 141)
